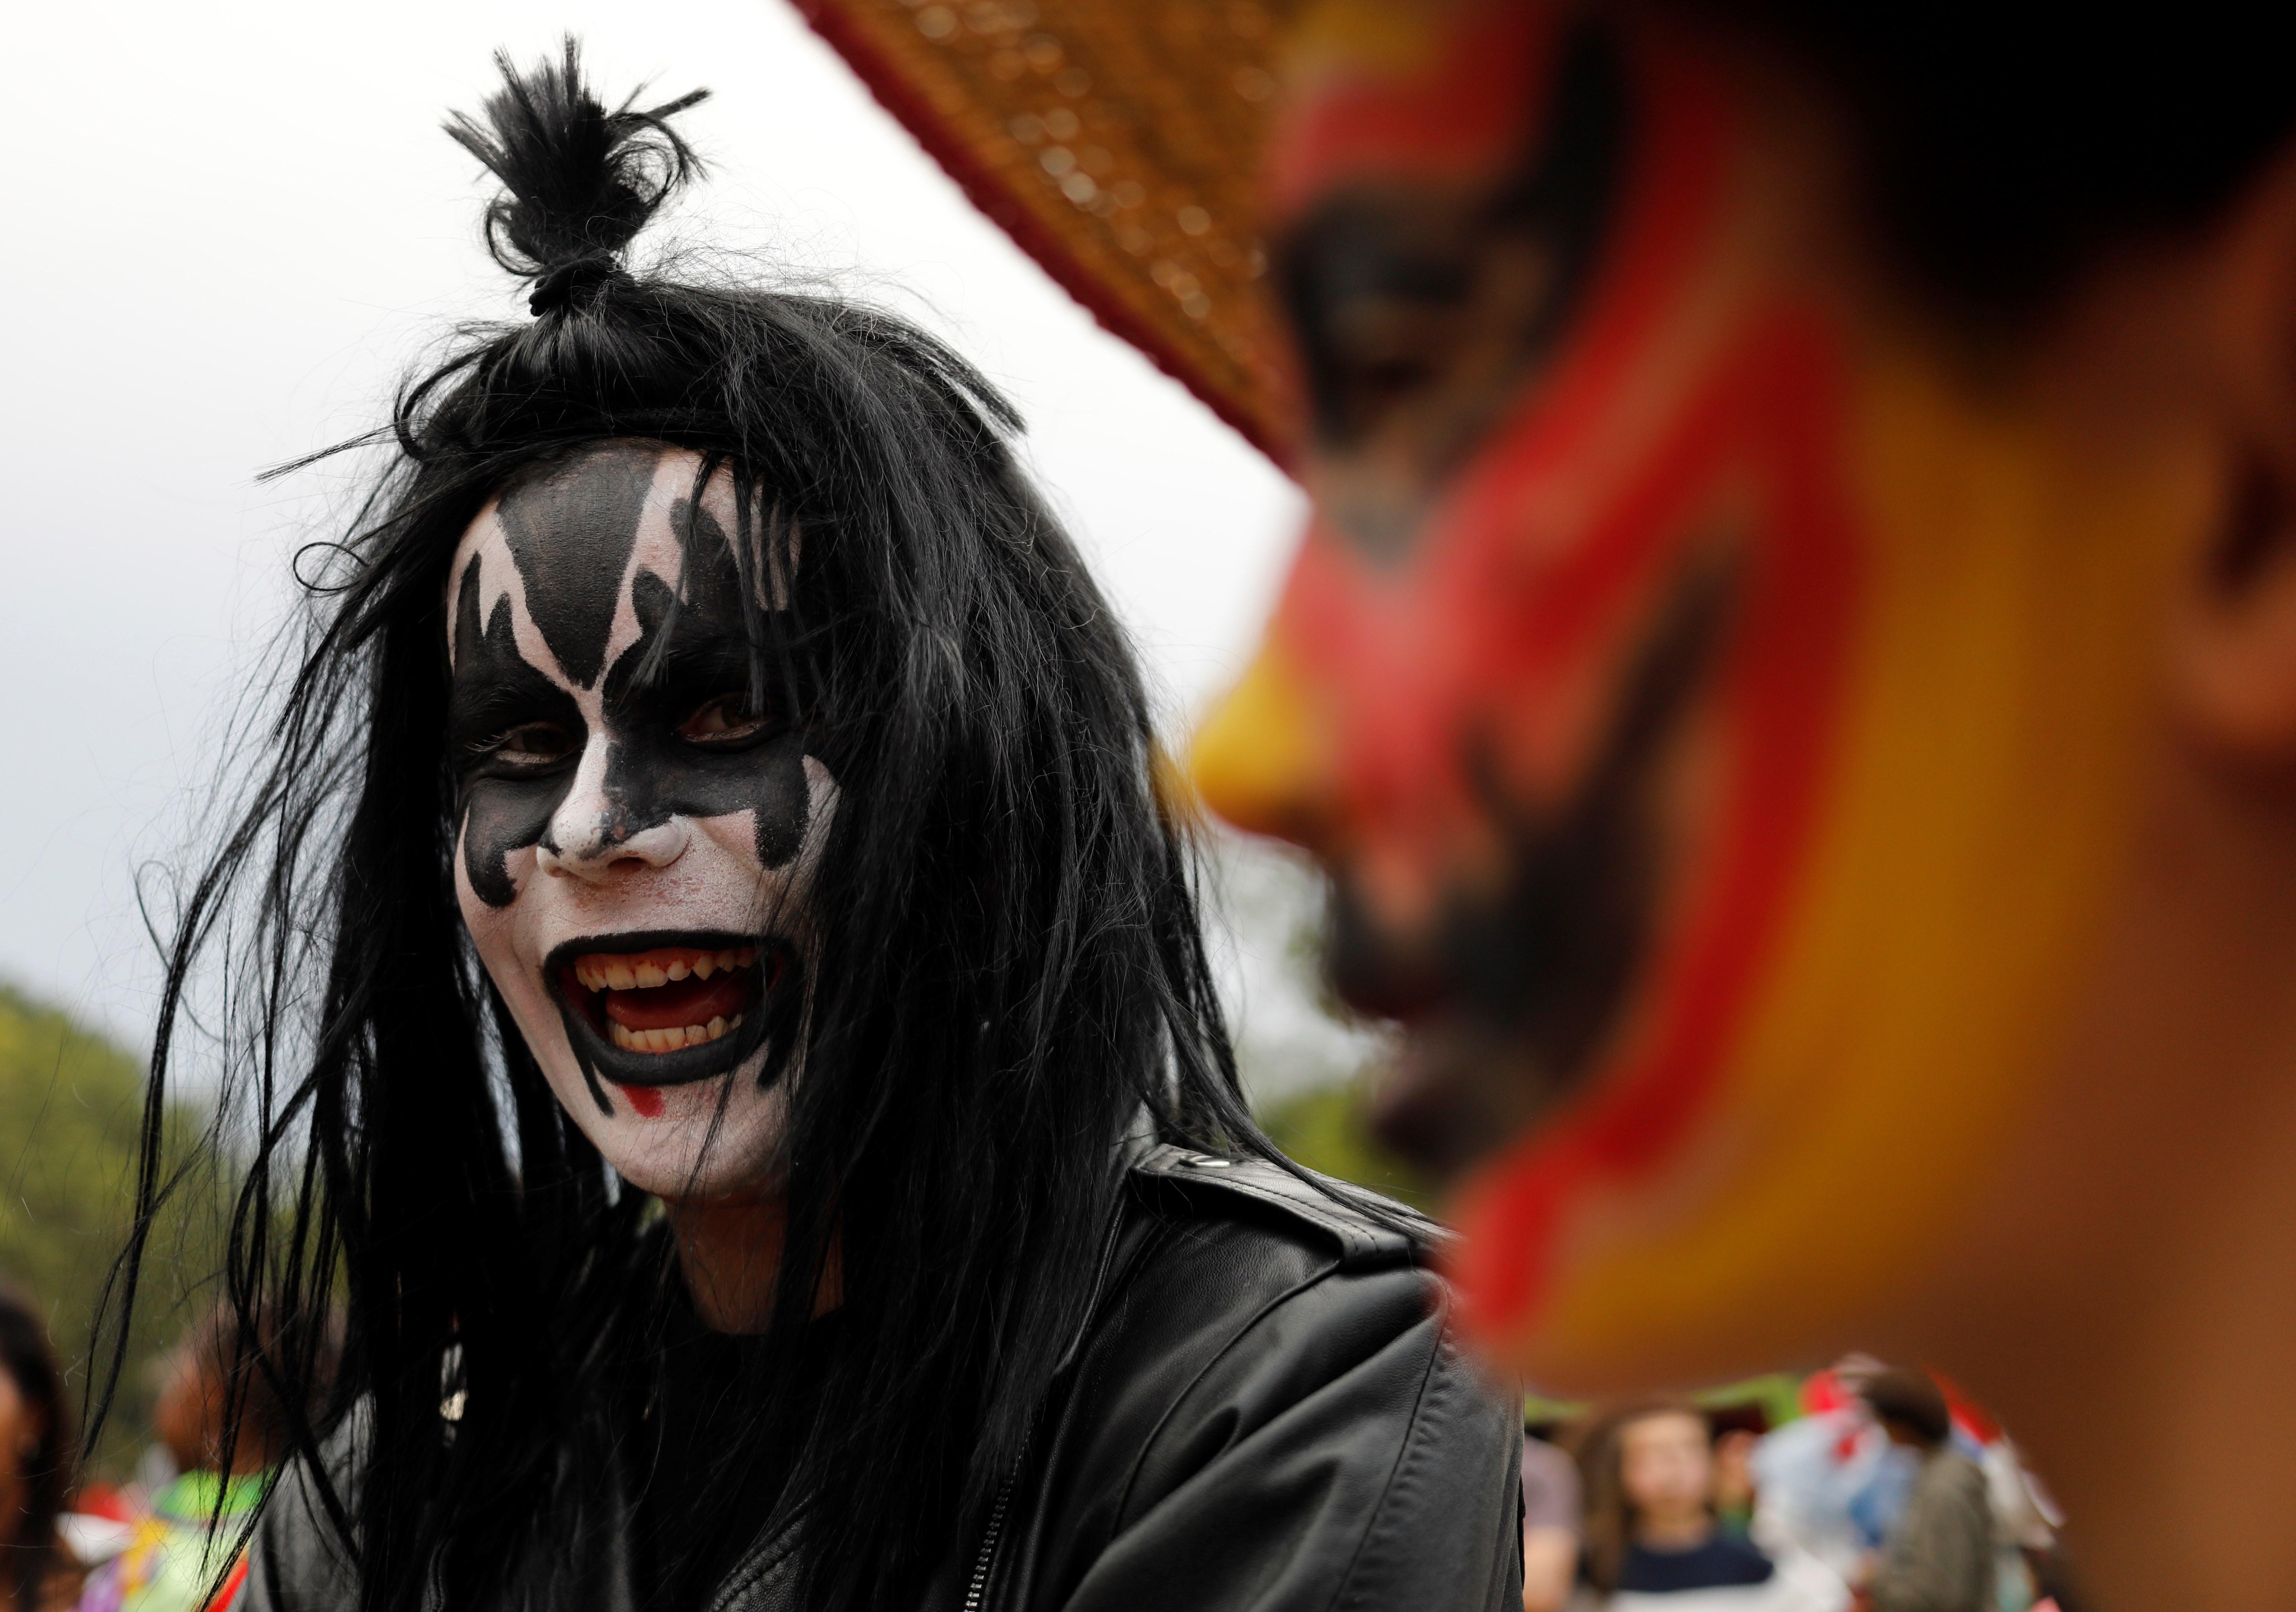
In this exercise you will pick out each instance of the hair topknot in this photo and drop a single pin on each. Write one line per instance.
(579, 181)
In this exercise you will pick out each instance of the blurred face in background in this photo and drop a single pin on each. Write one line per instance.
(187, 1416)
(1721, 699)
(1734, 1471)
(19, 1435)
(1666, 1469)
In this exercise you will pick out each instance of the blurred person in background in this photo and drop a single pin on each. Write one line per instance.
(1736, 1492)
(1940, 1554)
(1653, 1542)
(1552, 1515)
(221, 1420)
(764, 1096)
(36, 1573)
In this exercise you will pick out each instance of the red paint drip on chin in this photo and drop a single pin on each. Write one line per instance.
(646, 1101)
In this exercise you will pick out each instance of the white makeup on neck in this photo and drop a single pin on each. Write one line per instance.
(634, 852)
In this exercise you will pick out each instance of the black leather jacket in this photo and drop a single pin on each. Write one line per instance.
(1264, 1412)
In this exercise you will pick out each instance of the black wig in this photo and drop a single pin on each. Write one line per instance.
(1013, 980)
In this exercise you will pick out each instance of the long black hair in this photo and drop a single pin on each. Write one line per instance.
(28, 1549)
(1013, 978)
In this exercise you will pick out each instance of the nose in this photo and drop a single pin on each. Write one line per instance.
(606, 851)
(594, 836)
(1263, 760)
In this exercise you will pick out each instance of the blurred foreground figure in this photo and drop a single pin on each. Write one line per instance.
(1794, 671)
(764, 1099)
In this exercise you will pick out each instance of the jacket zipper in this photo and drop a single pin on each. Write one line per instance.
(977, 1589)
(989, 1538)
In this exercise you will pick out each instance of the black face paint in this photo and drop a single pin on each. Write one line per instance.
(494, 690)
(518, 738)
(686, 655)
(1420, 311)
(571, 530)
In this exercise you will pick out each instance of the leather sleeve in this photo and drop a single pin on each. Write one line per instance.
(1323, 1448)
(1341, 1455)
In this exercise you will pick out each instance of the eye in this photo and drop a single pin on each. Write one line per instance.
(531, 745)
(726, 720)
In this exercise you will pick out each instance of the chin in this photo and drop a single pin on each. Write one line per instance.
(707, 1141)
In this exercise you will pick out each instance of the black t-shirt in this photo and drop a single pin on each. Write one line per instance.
(1720, 1560)
(710, 1463)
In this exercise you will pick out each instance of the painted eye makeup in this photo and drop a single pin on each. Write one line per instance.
(1420, 307)
(531, 746)
(725, 721)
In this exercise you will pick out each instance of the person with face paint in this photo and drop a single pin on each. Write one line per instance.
(728, 1014)
(1792, 668)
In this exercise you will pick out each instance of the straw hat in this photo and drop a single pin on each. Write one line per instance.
(1118, 144)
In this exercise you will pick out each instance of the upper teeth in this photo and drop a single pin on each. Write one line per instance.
(605, 971)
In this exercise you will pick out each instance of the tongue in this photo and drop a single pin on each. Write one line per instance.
(687, 1001)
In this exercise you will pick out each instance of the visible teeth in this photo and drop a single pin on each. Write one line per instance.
(601, 971)
(673, 1039)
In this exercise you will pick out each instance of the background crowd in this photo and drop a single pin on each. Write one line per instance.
(169, 1538)
(1863, 1485)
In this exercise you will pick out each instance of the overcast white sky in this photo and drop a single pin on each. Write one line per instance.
(231, 226)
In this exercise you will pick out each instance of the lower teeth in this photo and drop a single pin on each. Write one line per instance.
(671, 1040)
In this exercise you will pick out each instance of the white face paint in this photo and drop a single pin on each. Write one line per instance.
(633, 862)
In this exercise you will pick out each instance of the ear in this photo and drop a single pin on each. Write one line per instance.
(2234, 661)
(2234, 636)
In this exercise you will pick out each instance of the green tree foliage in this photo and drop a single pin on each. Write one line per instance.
(71, 1104)
(1328, 1129)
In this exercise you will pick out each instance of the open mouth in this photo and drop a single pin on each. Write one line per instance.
(660, 1009)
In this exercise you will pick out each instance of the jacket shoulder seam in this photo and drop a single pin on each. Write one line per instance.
(1361, 1242)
